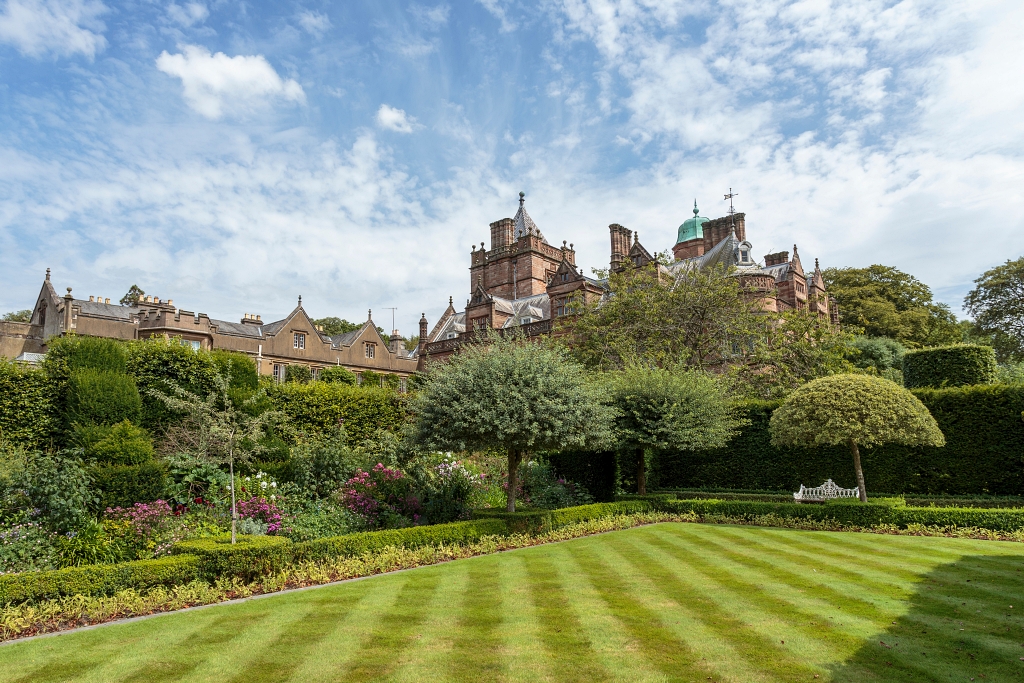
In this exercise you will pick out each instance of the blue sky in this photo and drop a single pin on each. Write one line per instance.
(235, 155)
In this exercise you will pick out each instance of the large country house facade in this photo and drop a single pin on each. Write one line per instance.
(523, 281)
(293, 340)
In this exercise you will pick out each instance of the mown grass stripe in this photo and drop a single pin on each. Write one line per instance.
(851, 603)
(652, 639)
(612, 645)
(893, 581)
(754, 652)
(562, 633)
(380, 652)
(477, 652)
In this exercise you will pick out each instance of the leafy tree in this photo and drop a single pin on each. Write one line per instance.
(856, 410)
(298, 373)
(334, 326)
(878, 354)
(508, 395)
(997, 305)
(215, 430)
(885, 302)
(411, 343)
(18, 316)
(336, 373)
(132, 296)
(787, 350)
(661, 409)
(653, 318)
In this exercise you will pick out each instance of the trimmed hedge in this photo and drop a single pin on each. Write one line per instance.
(98, 579)
(983, 453)
(949, 366)
(598, 472)
(26, 405)
(155, 362)
(540, 521)
(316, 408)
(351, 545)
(124, 485)
(855, 513)
(101, 397)
(249, 557)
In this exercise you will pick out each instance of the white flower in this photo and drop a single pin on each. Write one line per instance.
(274, 484)
(263, 484)
(273, 497)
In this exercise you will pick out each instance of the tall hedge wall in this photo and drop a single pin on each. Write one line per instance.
(984, 453)
(316, 408)
(26, 405)
(949, 366)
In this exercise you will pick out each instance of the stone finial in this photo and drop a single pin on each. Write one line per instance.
(816, 266)
(68, 295)
(47, 274)
(522, 199)
(571, 245)
(473, 249)
(300, 301)
(450, 301)
(563, 245)
(369, 315)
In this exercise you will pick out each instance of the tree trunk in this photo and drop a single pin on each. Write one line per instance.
(234, 513)
(514, 458)
(860, 472)
(641, 472)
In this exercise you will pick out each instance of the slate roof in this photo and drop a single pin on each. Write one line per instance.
(101, 310)
(524, 225)
(238, 329)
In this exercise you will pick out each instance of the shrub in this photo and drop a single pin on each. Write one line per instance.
(382, 498)
(86, 545)
(597, 472)
(120, 444)
(339, 375)
(155, 362)
(322, 465)
(351, 545)
(949, 366)
(300, 374)
(371, 379)
(98, 579)
(26, 405)
(124, 485)
(542, 489)
(263, 511)
(101, 397)
(319, 407)
(27, 547)
(240, 367)
(250, 557)
(542, 521)
(71, 352)
(983, 430)
(447, 489)
(57, 485)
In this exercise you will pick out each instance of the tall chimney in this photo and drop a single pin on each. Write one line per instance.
(620, 244)
(501, 233)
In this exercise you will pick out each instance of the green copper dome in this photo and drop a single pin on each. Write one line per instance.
(692, 228)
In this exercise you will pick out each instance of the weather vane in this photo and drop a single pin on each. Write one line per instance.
(732, 209)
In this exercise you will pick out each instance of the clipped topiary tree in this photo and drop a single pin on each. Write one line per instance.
(659, 409)
(102, 397)
(958, 365)
(509, 395)
(856, 410)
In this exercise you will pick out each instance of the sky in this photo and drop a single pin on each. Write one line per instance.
(233, 156)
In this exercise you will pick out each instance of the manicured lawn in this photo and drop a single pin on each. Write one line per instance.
(671, 602)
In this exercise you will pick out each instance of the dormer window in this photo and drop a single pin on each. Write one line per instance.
(565, 277)
(525, 321)
(744, 255)
(299, 340)
(371, 350)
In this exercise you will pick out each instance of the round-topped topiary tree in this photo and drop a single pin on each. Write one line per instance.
(856, 410)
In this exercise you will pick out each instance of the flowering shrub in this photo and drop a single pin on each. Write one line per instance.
(25, 547)
(447, 491)
(382, 498)
(148, 530)
(260, 484)
(542, 489)
(262, 510)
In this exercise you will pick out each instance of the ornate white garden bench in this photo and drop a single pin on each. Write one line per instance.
(827, 491)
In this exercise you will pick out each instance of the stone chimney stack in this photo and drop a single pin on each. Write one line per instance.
(396, 342)
(501, 233)
(620, 244)
(776, 258)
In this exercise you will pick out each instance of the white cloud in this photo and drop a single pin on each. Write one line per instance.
(59, 27)
(315, 23)
(432, 18)
(396, 120)
(497, 10)
(191, 13)
(215, 83)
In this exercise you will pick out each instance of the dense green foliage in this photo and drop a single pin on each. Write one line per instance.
(982, 426)
(596, 471)
(512, 396)
(22, 316)
(949, 366)
(300, 374)
(119, 444)
(247, 558)
(338, 374)
(57, 486)
(882, 301)
(880, 356)
(240, 367)
(122, 485)
(99, 579)
(865, 410)
(158, 364)
(102, 397)
(26, 405)
(997, 305)
(318, 408)
(352, 545)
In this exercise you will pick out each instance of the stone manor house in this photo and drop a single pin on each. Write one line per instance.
(520, 281)
(524, 281)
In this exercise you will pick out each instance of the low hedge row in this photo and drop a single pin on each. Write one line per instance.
(250, 557)
(855, 514)
(540, 521)
(920, 500)
(99, 579)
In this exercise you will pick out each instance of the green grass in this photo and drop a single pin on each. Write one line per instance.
(669, 602)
